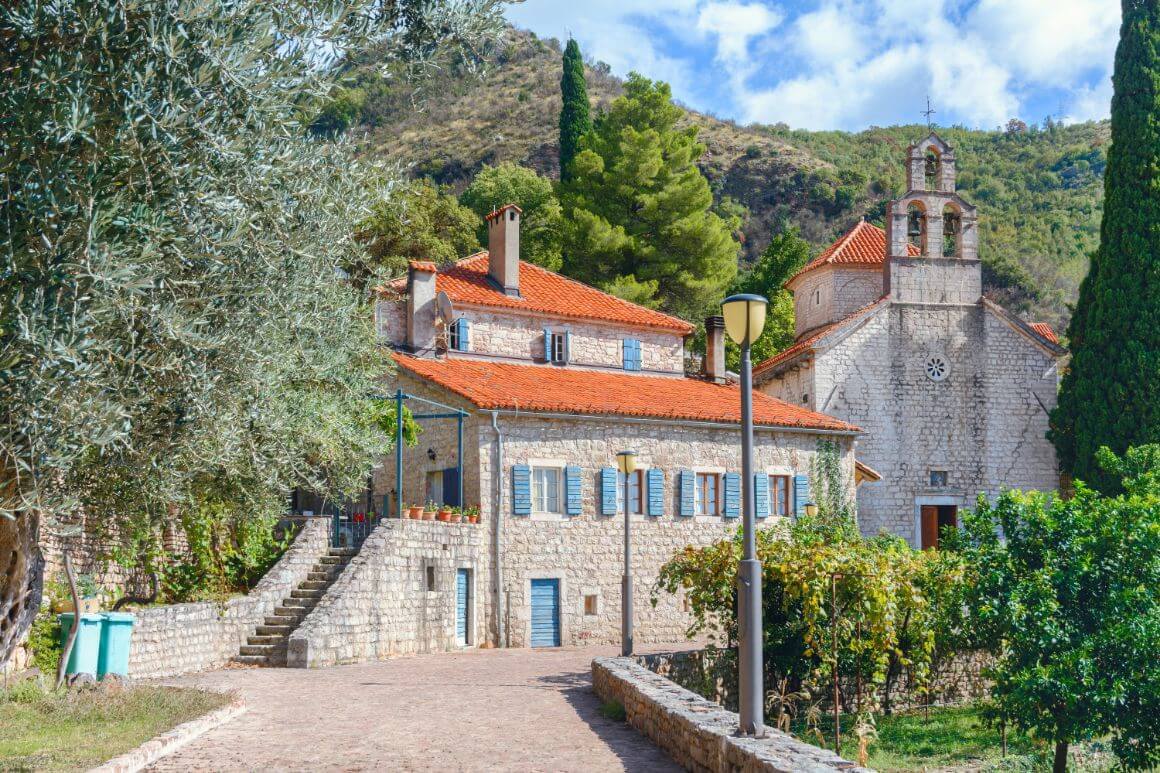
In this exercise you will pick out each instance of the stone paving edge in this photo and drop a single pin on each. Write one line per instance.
(171, 740)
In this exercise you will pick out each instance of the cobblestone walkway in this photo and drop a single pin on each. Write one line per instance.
(494, 710)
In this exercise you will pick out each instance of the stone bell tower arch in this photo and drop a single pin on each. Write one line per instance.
(932, 218)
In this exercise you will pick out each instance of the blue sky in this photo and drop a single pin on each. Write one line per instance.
(849, 64)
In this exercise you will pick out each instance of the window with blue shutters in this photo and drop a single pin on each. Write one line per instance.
(761, 495)
(608, 478)
(801, 494)
(547, 344)
(631, 354)
(732, 495)
(572, 490)
(458, 335)
(656, 492)
(521, 489)
(688, 483)
(556, 346)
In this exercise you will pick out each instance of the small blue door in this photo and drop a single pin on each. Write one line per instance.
(545, 613)
(462, 589)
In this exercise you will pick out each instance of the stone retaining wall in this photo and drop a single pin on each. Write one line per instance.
(182, 638)
(698, 733)
(397, 596)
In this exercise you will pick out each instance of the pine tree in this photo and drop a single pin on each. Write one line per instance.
(639, 213)
(1111, 393)
(575, 120)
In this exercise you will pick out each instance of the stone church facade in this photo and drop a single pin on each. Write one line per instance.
(894, 335)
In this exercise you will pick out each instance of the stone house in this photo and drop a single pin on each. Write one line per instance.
(895, 335)
(556, 377)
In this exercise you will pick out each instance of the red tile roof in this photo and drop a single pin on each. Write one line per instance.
(497, 212)
(551, 389)
(423, 265)
(1044, 330)
(862, 245)
(547, 292)
(807, 344)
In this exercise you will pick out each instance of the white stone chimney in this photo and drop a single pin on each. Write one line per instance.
(715, 349)
(421, 307)
(503, 246)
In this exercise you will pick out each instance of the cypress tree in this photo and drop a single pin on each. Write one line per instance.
(1111, 393)
(575, 120)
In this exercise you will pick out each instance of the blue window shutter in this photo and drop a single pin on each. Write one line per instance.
(451, 487)
(608, 491)
(631, 354)
(572, 490)
(462, 328)
(547, 344)
(688, 492)
(732, 495)
(656, 492)
(801, 494)
(521, 489)
(761, 494)
(567, 346)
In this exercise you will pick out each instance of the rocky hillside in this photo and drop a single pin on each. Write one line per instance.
(1039, 189)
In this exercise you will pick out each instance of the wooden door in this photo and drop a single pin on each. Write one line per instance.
(929, 522)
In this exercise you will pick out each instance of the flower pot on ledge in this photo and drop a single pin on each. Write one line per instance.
(415, 512)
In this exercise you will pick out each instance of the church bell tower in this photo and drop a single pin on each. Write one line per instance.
(932, 236)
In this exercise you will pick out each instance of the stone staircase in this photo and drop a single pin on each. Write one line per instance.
(267, 646)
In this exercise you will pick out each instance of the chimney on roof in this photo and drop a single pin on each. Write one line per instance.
(715, 349)
(503, 247)
(421, 307)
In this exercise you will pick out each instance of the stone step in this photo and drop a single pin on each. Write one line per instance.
(266, 639)
(323, 577)
(304, 594)
(296, 611)
(288, 621)
(261, 649)
(331, 561)
(313, 585)
(252, 660)
(274, 630)
(342, 552)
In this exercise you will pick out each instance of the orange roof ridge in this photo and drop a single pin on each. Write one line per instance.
(863, 245)
(582, 392)
(1045, 330)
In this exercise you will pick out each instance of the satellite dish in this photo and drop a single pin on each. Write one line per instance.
(444, 308)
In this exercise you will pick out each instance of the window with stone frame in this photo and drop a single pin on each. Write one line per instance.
(546, 490)
(779, 493)
(559, 347)
(708, 493)
(635, 492)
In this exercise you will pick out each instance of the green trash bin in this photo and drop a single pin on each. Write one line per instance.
(116, 636)
(88, 644)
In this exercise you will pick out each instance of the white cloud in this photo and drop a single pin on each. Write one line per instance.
(734, 25)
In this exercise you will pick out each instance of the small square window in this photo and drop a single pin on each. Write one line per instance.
(938, 478)
(591, 604)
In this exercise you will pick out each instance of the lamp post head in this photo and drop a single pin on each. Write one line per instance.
(744, 317)
(626, 462)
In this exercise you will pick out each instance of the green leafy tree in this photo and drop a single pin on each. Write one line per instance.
(172, 315)
(1111, 392)
(418, 221)
(786, 253)
(640, 211)
(575, 119)
(542, 220)
(1069, 600)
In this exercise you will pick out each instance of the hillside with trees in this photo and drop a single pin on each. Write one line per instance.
(1039, 187)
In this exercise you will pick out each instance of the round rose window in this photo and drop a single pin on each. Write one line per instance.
(937, 368)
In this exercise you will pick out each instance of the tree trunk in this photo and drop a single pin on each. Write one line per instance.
(1060, 764)
(21, 579)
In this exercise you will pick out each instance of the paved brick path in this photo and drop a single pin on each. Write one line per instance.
(495, 710)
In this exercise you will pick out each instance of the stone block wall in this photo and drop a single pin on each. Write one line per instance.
(697, 733)
(182, 638)
(397, 596)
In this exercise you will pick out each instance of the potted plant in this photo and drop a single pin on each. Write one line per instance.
(415, 512)
(446, 513)
(456, 515)
(90, 594)
(431, 512)
(472, 514)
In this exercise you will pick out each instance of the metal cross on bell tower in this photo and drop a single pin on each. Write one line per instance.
(928, 112)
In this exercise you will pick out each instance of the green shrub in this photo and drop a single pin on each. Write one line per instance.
(613, 710)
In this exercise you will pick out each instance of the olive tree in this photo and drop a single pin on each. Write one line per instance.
(172, 310)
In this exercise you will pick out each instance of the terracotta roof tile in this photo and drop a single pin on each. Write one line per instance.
(1045, 330)
(807, 343)
(544, 291)
(862, 245)
(551, 389)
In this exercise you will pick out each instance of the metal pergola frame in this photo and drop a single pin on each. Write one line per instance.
(450, 412)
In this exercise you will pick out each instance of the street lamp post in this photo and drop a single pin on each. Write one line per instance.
(744, 319)
(626, 462)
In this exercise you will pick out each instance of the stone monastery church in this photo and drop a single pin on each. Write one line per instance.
(951, 391)
(900, 360)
